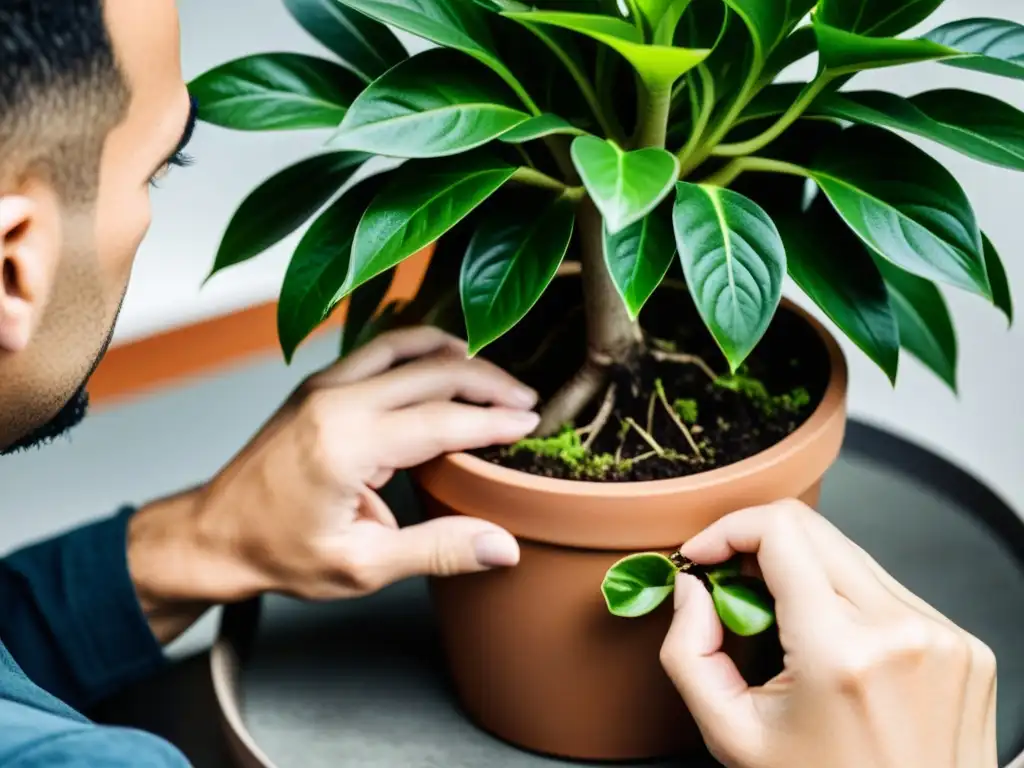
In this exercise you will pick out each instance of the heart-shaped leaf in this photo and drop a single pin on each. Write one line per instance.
(769, 21)
(368, 47)
(1001, 295)
(282, 203)
(875, 18)
(319, 265)
(842, 52)
(993, 46)
(920, 219)
(454, 24)
(424, 200)
(511, 259)
(659, 66)
(926, 328)
(639, 256)
(831, 265)
(625, 186)
(434, 104)
(734, 262)
(363, 303)
(979, 126)
(538, 127)
(275, 92)
(742, 607)
(637, 584)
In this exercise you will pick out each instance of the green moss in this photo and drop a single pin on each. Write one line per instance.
(567, 447)
(755, 391)
(686, 409)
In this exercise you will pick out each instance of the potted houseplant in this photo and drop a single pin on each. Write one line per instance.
(615, 191)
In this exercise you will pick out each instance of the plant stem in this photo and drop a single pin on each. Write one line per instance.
(724, 124)
(682, 358)
(702, 114)
(536, 178)
(513, 83)
(612, 336)
(647, 438)
(790, 116)
(660, 391)
(729, 174)
(654, 118)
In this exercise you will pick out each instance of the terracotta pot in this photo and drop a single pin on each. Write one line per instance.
(536, 658)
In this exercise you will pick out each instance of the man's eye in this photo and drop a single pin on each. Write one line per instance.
(180, 160)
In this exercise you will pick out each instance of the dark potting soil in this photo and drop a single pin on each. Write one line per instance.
(730, 418)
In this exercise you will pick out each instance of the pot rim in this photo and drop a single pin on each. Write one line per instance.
(832, 404)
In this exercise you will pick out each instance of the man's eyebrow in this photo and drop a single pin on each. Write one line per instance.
(186, 132)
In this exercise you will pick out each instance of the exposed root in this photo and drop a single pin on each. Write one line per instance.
(593, 429)
(660, 391)
(681, 358)
(646, 436)
(572, 398)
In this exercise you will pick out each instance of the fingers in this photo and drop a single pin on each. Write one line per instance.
(387, 350)
(707, 679)
(415, 435)
(790, 563)
(446, 546)
(477, 381)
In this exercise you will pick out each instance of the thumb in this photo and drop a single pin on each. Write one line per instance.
(448, 546)
(709, 682)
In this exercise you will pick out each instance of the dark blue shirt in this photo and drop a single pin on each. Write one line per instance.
(71, 634)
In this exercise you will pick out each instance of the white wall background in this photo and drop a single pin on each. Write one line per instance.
(983, 430)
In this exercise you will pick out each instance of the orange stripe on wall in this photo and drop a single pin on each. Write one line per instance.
(201, 348)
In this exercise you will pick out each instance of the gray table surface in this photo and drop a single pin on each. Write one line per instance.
(362, 683)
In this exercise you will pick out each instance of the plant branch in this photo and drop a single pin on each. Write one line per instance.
(727, 175)
(647, 438)
(660, 390)
(790, 116)
(593, 429)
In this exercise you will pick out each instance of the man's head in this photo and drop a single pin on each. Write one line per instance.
(92, 108)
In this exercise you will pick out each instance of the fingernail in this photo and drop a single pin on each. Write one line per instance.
(525, 397)
(496, 550)
(524, 420)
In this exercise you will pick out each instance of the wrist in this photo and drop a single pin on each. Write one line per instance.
(177, 558)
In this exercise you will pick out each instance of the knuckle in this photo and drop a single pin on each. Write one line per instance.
(361, 571)
(983, 659)
(444, 562)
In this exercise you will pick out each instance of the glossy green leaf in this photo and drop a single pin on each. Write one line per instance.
(275, 92)
(366, 46)
(363, 303)
(318, 267)
(993, 46)
(658, 65)
(639, 256)
(282, 203)
(770, 21)
(625, 186)
(875, 18)
(744, 610)
(1001, 295)
(926, 328)
(511, 259)
(734, 262)
(457, 24)
(979, 126)
(424, 200)
(637, 584)
(904, 205)
(832, 266)
(842, 52)
(538, 127)
(434, 104)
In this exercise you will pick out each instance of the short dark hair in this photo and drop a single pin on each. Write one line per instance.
(61, 92)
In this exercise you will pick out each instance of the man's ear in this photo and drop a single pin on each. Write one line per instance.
(29, 251)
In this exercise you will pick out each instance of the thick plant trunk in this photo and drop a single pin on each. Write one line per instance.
(612, 337)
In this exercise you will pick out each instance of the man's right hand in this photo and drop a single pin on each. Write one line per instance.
(874, 677)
